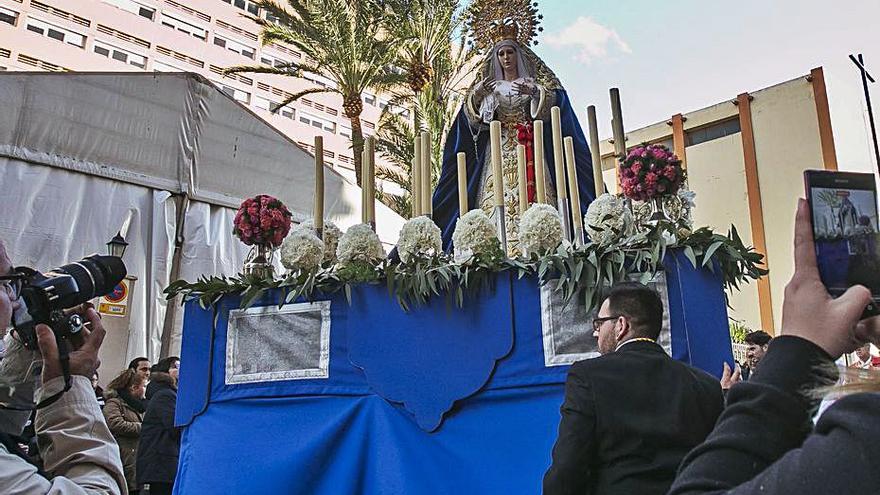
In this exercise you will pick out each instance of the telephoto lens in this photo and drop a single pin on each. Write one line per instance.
(44, 296)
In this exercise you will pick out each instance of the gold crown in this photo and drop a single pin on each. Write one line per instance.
(491, 21)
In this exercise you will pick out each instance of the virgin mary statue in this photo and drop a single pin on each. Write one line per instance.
(515, 87)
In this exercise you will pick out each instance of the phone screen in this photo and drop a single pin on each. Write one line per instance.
(845, 229)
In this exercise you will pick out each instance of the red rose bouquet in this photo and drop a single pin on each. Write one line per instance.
(262, 221)
(650, 172)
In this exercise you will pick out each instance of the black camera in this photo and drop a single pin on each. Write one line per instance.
(45, 296)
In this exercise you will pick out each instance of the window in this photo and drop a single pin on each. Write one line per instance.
(56, 32)
(712, 131)
(8, 16)
(184, 27)
(116, 53)
(272, 60)
(370, 99)
(237, 94)
(318, 122)
(163, 67)
(345, 131)
(135, 7)
(234, 46)
(245, 5)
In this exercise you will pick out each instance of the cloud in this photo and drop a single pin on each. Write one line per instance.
(590, 38)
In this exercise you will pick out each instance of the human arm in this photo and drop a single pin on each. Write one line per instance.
(761, 442)
(114, 413)
(574, 451)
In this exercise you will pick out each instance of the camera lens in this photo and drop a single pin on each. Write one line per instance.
(94, 275)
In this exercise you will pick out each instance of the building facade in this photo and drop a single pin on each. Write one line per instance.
(201, 36)
(745, 159)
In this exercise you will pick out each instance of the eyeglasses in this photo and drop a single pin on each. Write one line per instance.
(12, 283)
(598, 321)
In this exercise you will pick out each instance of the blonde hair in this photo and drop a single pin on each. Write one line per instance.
(850, 381)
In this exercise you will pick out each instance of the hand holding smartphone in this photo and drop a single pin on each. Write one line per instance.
(846, 231)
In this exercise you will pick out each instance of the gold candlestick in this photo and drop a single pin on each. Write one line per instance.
(319, 186)
(462, 184)
(575, 197)
(371, 181)
(540, 189)
(364, 192)
(523, 180)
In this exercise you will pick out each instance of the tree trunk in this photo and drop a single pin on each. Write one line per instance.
(353, 106)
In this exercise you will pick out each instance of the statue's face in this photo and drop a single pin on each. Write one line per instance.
(507, 58)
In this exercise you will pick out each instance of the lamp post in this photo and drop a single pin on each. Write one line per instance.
(116, 246)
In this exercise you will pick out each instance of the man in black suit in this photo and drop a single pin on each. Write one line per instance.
(630, 415)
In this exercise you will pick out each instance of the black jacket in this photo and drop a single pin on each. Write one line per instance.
(159, 445)
(764, 442)
(628, 419)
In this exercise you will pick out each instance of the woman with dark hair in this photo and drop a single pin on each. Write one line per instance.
(124, 412)
(168, 366)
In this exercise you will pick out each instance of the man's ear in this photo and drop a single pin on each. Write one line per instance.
(622, 329)
(765, 347)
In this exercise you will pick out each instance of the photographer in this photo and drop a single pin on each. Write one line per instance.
(76, 446)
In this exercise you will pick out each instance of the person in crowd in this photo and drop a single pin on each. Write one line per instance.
(159, 446)
(99, 392)
(863, 360)
(78, 451)
(762, 442)
(169, 366)
(124, 413)
(141, 366)
(630, 415)
(730, 376)
(757, 343)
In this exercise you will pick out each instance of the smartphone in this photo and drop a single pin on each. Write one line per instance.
(843, 209)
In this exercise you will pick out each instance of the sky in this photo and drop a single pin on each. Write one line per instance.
(683, 55)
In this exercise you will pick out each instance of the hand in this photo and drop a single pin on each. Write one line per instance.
(526, 89)
(728, 378)
(83, 360)
(484, 89)
(809, 312)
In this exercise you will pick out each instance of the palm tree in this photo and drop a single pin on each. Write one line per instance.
(342, 40)
(436, 102)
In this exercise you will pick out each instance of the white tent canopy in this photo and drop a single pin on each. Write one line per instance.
(81, 152)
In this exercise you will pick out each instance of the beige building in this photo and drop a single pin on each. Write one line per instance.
(745, 159)
(202, 36)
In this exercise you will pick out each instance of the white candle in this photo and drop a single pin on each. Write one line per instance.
(319, 184)
(573, 190)
(523, 180)
(538, 149)
(416, 173)
(497, 174)
(598, 180)
(364, 191)
(462, 184)
(427, 189)
(558, 158)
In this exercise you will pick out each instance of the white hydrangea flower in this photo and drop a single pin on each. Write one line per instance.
(540, 230)
(331, 235)
(607, 220)
(302, 250)
(474, 234)
(419, 237)
(360, 244)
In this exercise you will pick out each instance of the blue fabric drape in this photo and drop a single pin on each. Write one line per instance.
(342, 435)
(461, 139)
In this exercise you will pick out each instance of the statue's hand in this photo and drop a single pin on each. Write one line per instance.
(484, 89)
(526, 88)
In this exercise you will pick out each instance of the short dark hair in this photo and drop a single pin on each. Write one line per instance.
(133, 365)
(758, 337)
(641, 304)
(165, 364)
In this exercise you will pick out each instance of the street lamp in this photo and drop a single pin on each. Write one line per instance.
(116, 246)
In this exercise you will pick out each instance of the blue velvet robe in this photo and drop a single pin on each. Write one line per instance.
(460, 139)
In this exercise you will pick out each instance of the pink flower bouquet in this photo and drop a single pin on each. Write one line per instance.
(262, 221)
(650, 172)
